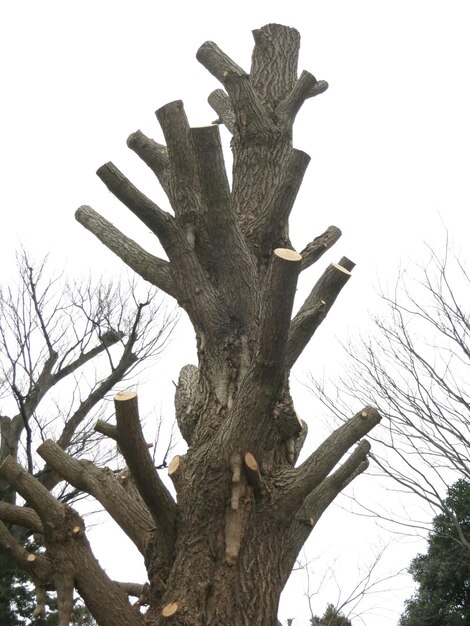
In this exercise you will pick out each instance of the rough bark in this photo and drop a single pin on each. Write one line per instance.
(128, 510)
(222, 553)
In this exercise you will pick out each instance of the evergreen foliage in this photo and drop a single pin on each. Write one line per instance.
(443, 573)
(331, 617)
(18, 608)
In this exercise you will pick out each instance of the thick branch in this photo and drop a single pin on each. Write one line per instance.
(93, 585)
(41, 599)
(262, 384)
(217, 62)
(235, 269)
(137, 590)
(64, 584)
(316, 248)
(274, 63)
(320, 463)
(36, 565)
(307, 86)
(135, 451)
(320, 498)
(251, 117)
(152, 269)
(106, 429)
(277, 307)
(158, 221)
(197, 294)
(30, 489)
(316, 307)
(130, 513)
(70, 551)
(154, 155)
(194, 290)
(221, 104)
(21, 516)
(272, 218)
(185, 192)
(215, 186)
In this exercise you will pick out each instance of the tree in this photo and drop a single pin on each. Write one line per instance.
(331, 617)
(351, 597)
(223, 551)
(51, 332)
(443, 573)
(415, 369)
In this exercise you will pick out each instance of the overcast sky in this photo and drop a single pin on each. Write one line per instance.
(389, 142)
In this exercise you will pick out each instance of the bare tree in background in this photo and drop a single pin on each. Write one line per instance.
(223, 551)
(415, 367)
(351, 599)
(63, 348)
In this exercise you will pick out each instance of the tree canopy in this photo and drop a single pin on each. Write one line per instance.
(331, 617)
(443, 573)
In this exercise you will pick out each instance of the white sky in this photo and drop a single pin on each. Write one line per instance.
(389, 142)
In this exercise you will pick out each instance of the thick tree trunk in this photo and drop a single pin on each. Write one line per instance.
(221, 554)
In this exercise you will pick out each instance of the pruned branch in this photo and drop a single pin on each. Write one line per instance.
(322, 496)
(152, 269)
(235, 270)
(251, 118)
(268, 369)
(157, 220)
(321, 244)
(271, 221)
(72, 561)
(153, 154)
(217, 62)
(41, 599)
(221, 104)
(130, 513)
(20, 516)
(320, 463)
(135, 451)
(276, 53)
(137, 590)
(36, 565)
(253, 473)
(277, 307)
(174, 470)
(307, 86)
(106, 429)
(316, 307)
(185, 192)
(30, 489)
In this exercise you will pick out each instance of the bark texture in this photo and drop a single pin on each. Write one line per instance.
(221, 553)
